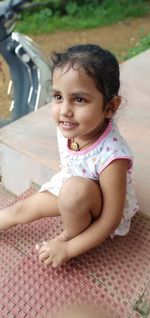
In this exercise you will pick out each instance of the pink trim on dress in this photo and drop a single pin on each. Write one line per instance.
(101, 138)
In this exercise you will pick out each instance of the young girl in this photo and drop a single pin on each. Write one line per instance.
(93, 191)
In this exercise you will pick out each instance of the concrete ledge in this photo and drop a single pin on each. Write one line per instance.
(134, 121)
(28, 149)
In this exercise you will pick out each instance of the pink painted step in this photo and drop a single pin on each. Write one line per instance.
(112, 276)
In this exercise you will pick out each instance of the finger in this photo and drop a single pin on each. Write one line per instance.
(48, 261)
(43, 256)
(39, 245)
(43, 243)
(55, 264)
(44, 248)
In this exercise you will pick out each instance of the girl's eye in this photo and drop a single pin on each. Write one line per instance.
(57, 97)
(80, 100)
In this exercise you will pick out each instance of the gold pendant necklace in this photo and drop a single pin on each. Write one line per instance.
(76, 147)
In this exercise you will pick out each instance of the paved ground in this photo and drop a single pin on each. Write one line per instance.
(115, 276)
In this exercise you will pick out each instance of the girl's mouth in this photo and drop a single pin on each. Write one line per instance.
(67, 125)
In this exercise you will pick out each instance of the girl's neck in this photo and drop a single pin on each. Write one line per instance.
(77, 145)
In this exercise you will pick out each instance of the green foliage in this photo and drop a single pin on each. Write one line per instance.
(72, 8)
(142, 45)
(75, 15)
(31, 23)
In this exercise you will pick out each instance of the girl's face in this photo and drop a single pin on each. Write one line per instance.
(77, 105)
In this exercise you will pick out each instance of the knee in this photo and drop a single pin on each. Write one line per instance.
(74, 192)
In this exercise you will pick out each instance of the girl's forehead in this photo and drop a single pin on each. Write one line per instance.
(74, 77)
(69, 69)
(73, 81)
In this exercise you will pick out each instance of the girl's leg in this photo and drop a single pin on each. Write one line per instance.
(79, 202)
(41, 204)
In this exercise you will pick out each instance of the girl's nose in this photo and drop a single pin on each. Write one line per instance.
(66, 110)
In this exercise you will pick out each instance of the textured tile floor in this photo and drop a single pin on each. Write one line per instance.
(114, 276)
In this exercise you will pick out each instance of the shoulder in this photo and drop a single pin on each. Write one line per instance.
(117, 141)
(114, 147)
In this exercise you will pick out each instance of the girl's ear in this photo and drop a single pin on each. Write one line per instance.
(112, 106)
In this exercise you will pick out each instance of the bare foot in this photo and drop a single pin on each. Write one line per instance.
(60, 238)
(54, 252)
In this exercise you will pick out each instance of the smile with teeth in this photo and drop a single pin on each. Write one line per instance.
(67, 124)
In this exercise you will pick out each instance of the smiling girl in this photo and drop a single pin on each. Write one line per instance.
(93, 190)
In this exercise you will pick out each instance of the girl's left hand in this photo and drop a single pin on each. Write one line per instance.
(53, 252)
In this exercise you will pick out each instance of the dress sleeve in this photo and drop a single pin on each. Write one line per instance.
(116, 149)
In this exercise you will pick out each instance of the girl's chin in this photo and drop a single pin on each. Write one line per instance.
(68, 133)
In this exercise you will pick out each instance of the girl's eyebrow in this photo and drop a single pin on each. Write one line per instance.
(55, 91)
(80, 93)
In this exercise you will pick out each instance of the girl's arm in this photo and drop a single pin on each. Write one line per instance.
(113, 186)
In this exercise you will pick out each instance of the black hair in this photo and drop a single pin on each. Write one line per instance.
(98, 63)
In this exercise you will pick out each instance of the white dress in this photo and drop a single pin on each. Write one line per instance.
(90, 163)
